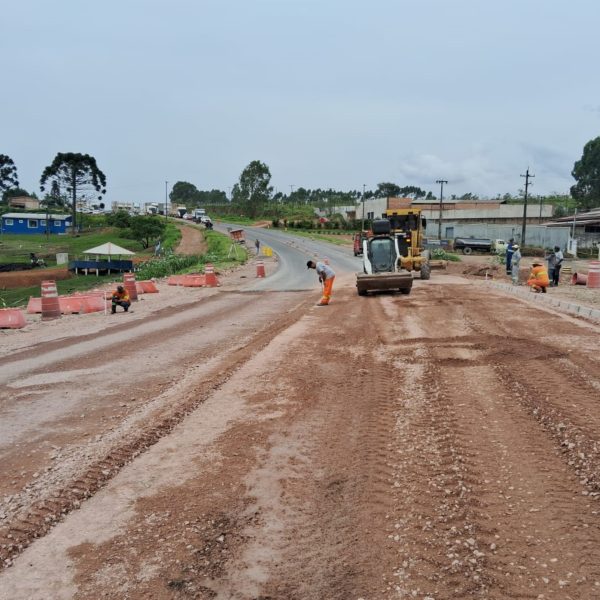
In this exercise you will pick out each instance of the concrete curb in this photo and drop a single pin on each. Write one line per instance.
(561, 304)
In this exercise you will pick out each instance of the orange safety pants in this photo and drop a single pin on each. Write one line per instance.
(327, 287)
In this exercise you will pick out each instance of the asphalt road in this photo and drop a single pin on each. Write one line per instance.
(293, 251)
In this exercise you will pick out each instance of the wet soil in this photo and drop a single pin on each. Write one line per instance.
(252, 445)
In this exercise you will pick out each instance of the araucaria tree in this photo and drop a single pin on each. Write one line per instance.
(586, 173)
(253, 189)
(8, 173)
(79, 175)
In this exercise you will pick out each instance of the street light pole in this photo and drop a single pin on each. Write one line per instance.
(441, 182)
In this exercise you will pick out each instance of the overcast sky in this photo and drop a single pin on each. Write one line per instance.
(328, 93)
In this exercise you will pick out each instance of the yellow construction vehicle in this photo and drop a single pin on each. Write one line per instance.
(408, 225)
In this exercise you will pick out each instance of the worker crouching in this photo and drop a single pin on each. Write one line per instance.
(120, 297)
(326, 276)
(538, 278)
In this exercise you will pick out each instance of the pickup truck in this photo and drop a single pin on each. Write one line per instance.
(469, 245)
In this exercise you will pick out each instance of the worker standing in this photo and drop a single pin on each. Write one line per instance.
(515, 264)
(538, 278)
(509, 253)
(120, 297)
(257, 246)
(326, 276)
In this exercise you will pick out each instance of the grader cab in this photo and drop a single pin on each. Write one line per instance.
(382, 262)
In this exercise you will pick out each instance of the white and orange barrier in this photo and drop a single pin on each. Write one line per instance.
(12, 318)
(593, 276)
(260, 268)
(50, 306)
(146, 287)
(211, 278)
(129, 284)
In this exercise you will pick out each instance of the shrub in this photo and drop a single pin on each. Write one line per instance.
(441, 254)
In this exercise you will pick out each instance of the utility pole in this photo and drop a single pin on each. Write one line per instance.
(524, 226)
(441, 182)
(363, 208)
(291, 190)
(166, 199)
(541, 205)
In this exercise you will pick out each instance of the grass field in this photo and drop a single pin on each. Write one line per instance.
(218, 250)
(16, 248)
(332, 238)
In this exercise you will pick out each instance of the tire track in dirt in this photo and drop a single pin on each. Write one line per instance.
(26, 521)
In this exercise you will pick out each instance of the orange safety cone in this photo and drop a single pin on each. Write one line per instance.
(12, 318)
(129, 283)
(211, 278)
(593, 277)
(50, 301)
(260, 268)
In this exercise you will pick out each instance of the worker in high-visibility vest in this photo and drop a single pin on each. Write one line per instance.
(538, 278)
(326, 276)
(120, 297)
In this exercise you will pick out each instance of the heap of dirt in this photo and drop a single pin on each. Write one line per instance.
(31, 277)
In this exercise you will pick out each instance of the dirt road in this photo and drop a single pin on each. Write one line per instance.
(252, 445)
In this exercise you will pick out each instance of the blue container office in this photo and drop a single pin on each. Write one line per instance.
(24, 223)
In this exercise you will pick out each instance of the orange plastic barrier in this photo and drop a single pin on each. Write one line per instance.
(578, 279)
(260, 268)
(176, 280)
(129, 283)
(149, 287)
(12, 318)
(72, 304)
(95, 304)
(34, 305)
(593, 277)
(211, 278)
(194, 281)
(50, 302)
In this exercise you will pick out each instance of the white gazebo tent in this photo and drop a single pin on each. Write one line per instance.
(105, 250)
(109, 249)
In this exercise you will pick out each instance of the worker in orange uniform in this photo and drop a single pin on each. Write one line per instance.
(120, 297)
(326, 276)
(538, 278)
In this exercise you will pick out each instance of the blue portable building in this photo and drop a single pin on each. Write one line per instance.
(35, 223)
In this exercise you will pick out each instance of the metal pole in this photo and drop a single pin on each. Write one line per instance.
(541, 204)
(524, 225)
(166, 199)
(363, 209)
(441, 182)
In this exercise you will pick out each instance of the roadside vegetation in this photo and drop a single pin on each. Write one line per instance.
(96, 231)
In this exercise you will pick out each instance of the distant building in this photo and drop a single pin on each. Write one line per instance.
(133, 208)
(24, 203)
(35, 223)
(584, 227)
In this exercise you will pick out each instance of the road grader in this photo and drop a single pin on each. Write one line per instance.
(392, 251)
